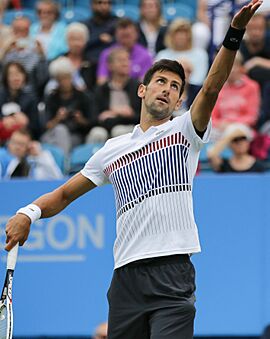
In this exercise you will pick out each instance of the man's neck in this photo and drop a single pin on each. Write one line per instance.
(148, 121)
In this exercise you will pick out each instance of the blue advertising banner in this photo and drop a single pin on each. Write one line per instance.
(64, 269)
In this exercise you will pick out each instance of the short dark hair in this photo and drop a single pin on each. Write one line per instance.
(125, 22)
(166, 65)
(6, 68)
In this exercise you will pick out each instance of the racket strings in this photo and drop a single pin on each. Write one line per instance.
(3, 322)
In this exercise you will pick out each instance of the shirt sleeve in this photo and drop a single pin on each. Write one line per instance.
(187, 125)
(93, 169)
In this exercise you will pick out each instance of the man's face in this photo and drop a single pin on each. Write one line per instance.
(102, 8)
(126, 36)
(19, 144)
(46, 14)
(161, 96)
(256, 29)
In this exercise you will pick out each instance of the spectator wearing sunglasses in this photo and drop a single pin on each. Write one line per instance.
(237, 137)
(101, 331)
(49, 30)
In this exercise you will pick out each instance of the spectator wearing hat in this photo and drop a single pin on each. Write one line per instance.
(237, 137)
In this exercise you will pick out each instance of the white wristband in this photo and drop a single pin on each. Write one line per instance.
(32, 211)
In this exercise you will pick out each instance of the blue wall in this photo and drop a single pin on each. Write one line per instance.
(64, 270)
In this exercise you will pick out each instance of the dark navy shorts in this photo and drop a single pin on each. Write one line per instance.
(153, 299)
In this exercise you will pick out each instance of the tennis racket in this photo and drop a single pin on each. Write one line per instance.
(6, 313)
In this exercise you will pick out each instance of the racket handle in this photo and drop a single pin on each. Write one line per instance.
(12, 257)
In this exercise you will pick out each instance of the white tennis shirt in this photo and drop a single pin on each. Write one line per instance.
(152, 174)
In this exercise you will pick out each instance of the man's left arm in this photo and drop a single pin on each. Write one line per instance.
(204, 103)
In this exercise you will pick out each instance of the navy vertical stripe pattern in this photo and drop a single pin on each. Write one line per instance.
(157, 168)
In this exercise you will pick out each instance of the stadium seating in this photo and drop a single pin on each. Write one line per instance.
(80, 155)
(172, 11)
(126, 10)
(58, 155)
(190, 3)
(75, 14)
(204, 163)
(12, 14)
(28, 3)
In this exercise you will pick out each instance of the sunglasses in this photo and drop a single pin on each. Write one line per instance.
(237, 139)
(41, 11)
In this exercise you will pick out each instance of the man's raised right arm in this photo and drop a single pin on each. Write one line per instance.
(50, 204)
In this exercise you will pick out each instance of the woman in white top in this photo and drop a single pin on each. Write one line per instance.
(178, 41)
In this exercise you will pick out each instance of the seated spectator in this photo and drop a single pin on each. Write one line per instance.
(5, 30)
(85, 71)
(152, 26)
(14, 89)
(67, 109)
(116, 102)
(178, 40)
(126, 35)
(101, 27)
(238, 101)
(49, 30)
(26, 50)
(11, 119)
(255, 49)
(26, 158)
(237, 137)
(84, 75)
(101, 331)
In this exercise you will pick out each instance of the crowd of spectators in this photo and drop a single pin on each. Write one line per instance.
(67, 84)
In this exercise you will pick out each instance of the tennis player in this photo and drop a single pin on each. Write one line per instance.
(151, 170)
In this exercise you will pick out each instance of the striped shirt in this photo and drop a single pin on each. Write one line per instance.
(152, 174)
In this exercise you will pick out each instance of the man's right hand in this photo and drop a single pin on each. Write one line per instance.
(17, 230)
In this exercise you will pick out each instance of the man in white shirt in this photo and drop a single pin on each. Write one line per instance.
(151, 169)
